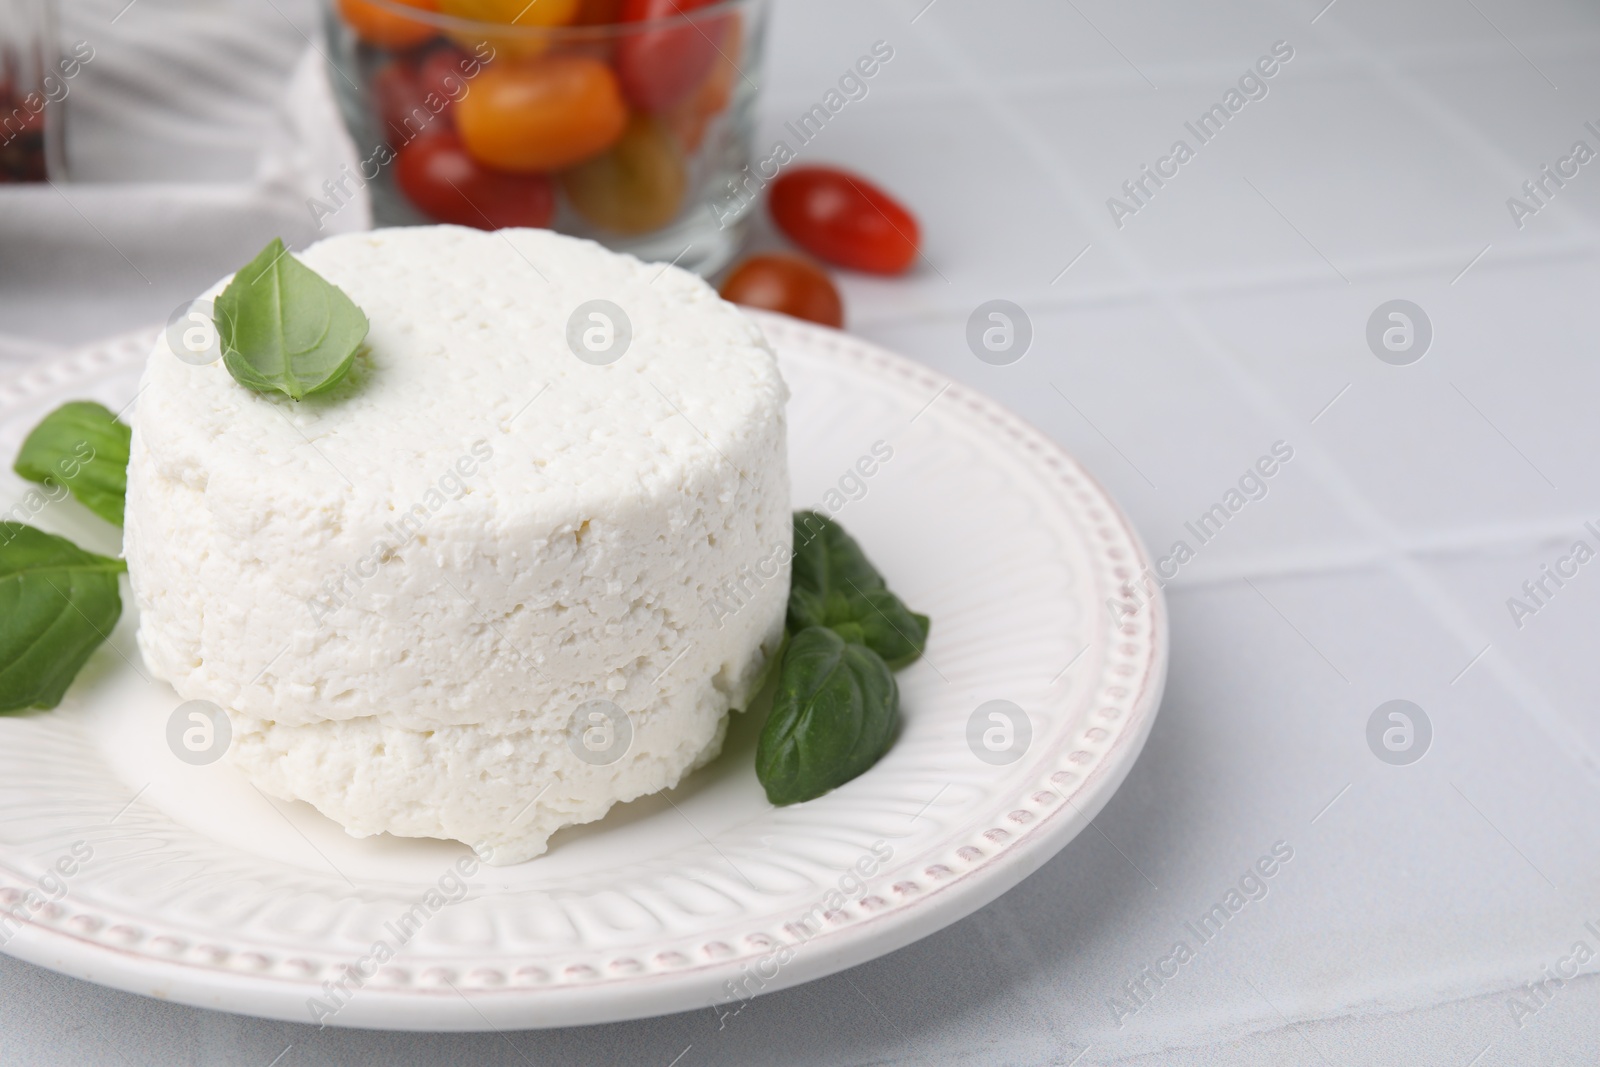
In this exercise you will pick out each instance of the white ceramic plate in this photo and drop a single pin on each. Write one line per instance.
(199, 889)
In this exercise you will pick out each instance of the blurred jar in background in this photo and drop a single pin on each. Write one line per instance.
(618, 120)
(34, 81)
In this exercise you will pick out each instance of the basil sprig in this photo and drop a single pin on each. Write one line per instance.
(835, 585)
(284, 328)
(837, 706)
(57, 604)
(82, 446)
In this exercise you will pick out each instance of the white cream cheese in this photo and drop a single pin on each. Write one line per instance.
(421, 595)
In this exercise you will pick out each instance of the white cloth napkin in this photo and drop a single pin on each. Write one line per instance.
(195, 134)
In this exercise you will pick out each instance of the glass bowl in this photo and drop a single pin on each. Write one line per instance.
(493, 113)
(31, 91)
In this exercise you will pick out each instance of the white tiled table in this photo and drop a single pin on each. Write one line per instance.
(1228, 314)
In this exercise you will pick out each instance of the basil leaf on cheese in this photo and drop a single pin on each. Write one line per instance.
(833, 717)
(284, 328)
(835, 585)
(82, 446)
(57, 604)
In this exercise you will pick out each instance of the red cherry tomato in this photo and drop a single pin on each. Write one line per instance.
(397, 98)
(844, 219)
(788, 284)
(444, 71)
(659, 68)
(414, 97)
(21, 139)
(447, 184)
(690, 118)
(598, 12)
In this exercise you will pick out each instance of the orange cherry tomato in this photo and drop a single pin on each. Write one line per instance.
(659, 68)
(794, 286)
(381, 27)
(635, 187)
(845, 219)
(541, 115)
(690, 119)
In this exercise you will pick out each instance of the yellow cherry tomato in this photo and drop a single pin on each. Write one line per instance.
(637, 186)
(535, 14)
(513, 12)
(542, 114)
(381, 27)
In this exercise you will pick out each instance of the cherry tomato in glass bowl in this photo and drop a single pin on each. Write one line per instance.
(445, 183)
(789, 284)
(414, 96)
(446, 70)
(383, 28)
(529, 13)
(397, 99)
(513, 12)
(635, 187)
(844, 219)
(690, 118)
(659, 68)
(598, 12)
(542, 114)
(22, 152)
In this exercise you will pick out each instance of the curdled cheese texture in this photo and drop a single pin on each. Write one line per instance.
(410, 592)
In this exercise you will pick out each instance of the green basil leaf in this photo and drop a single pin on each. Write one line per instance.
(82, 446)
(889, 628)
(827, 561)
(833, 584)
(57, 604)
(284, 328)
(833, 717)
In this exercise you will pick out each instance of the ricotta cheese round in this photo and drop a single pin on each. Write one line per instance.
(513, 570)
